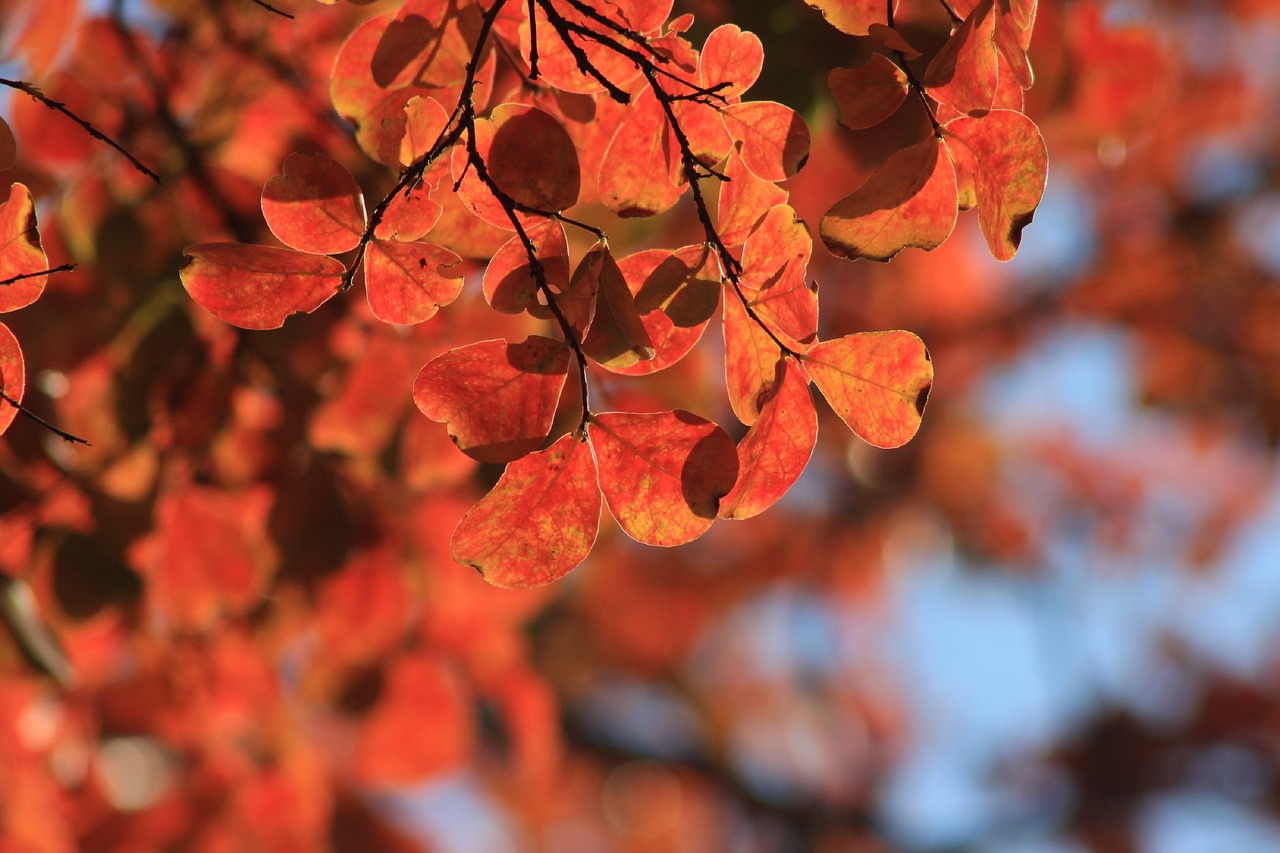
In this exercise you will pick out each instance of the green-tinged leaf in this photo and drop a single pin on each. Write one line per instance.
(773, 139)
(909, 201)
(775, 450)
(669, 285)
(868, 94)
(750, 360)
(538, 522)
(315, 205)
(509, 283)
(408, 282)
(877, 382)
(257, 287)
(963, 74)
(497, 399)
(20, 251)
(13, 375)
(1006, 155)
(663, 474)
(617, 337)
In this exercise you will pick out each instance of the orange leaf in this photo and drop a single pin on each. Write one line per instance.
(406, 283)
(509, 284)
(531, 157)
(731, 56)
(750, 360)
(20, 251)
(1007, 157)
(744, 200)
(315, 205)
(663, 474)
(773, 139)
(497, 399)
(852, 16)
(868, 94)
(409, 215)
(257, 287)
(672, 291)
(13, 375)
(963, 74)
(774, 261)
(877, 382)
(636, 174)
(776, 449)
(909, 201)
(424, 121)
(538, 522)
(617, 337)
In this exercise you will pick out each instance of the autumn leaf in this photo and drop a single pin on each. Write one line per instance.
(963, 74)
(13, 376)
(773, 139)
(20, 251)
(774, 262)
(424, 121)
(730, 56)
(852, 16)
(530, 157)
(776, 448)
(877, 382)
(639, 169)
(315, 205)
(868, 94)
(617, 337)
(407, 283)
(1006, 155)
(257, 287)
(744, 200)
(750, 360)
(672, 291)
(498, 399)
(538, 522)
(509, 284)
(909, 201)
(662, 474)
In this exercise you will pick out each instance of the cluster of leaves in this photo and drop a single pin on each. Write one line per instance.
(516, 115)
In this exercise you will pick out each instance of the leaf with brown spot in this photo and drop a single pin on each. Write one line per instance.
(407, 283)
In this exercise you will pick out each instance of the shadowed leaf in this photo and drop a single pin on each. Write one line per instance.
(868, 94)
(681, 282)
(963, 74)
(617, 337)
(852, 16)
(773, 139)
(13, 375)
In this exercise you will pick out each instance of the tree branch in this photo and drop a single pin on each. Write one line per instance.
(64, 435)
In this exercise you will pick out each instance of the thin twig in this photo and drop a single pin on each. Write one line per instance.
(50, 271)
(271, 8)
(63, 434)
(58, 106)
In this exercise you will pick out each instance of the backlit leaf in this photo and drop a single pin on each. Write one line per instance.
(663, 474)
(637, 173)
(425, 120)
(20, 251)
(509, 284)
(909, 201)
(257, 287)
(531, 157)
(774, 262)
(877, 382)
(13, 375)
(731, 56)
(852, 16)
(617, 338)
(773, 139)
(538, 522)
(1007, 156)
(672, 291)
(868, 94)
(963, 74)
(744, 200)
(408, 282)
(409, 215)
(776, 449)
(315, 205)
(497, 399)
(750, 360)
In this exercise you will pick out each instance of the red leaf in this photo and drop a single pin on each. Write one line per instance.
(892, 39)
(8, 145)
(424, 121)
(750, 361)
(538, 522)
(776, 449)
(868, 94)
(663, 474)
(852, 16)
(877, 382)
(774, 262)
(13, 376)
(410, 215)
(617, 337)
(407, 282)
(963, 74)
(1006, 155)
(257, 287)
(315, 205)
(731, 56)
(20, 251)
(744, 200)
(497, 399)
(509, 284)
(638, 172)
(531, 157)
(909, 201)
(677, 293)
(773, 139)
